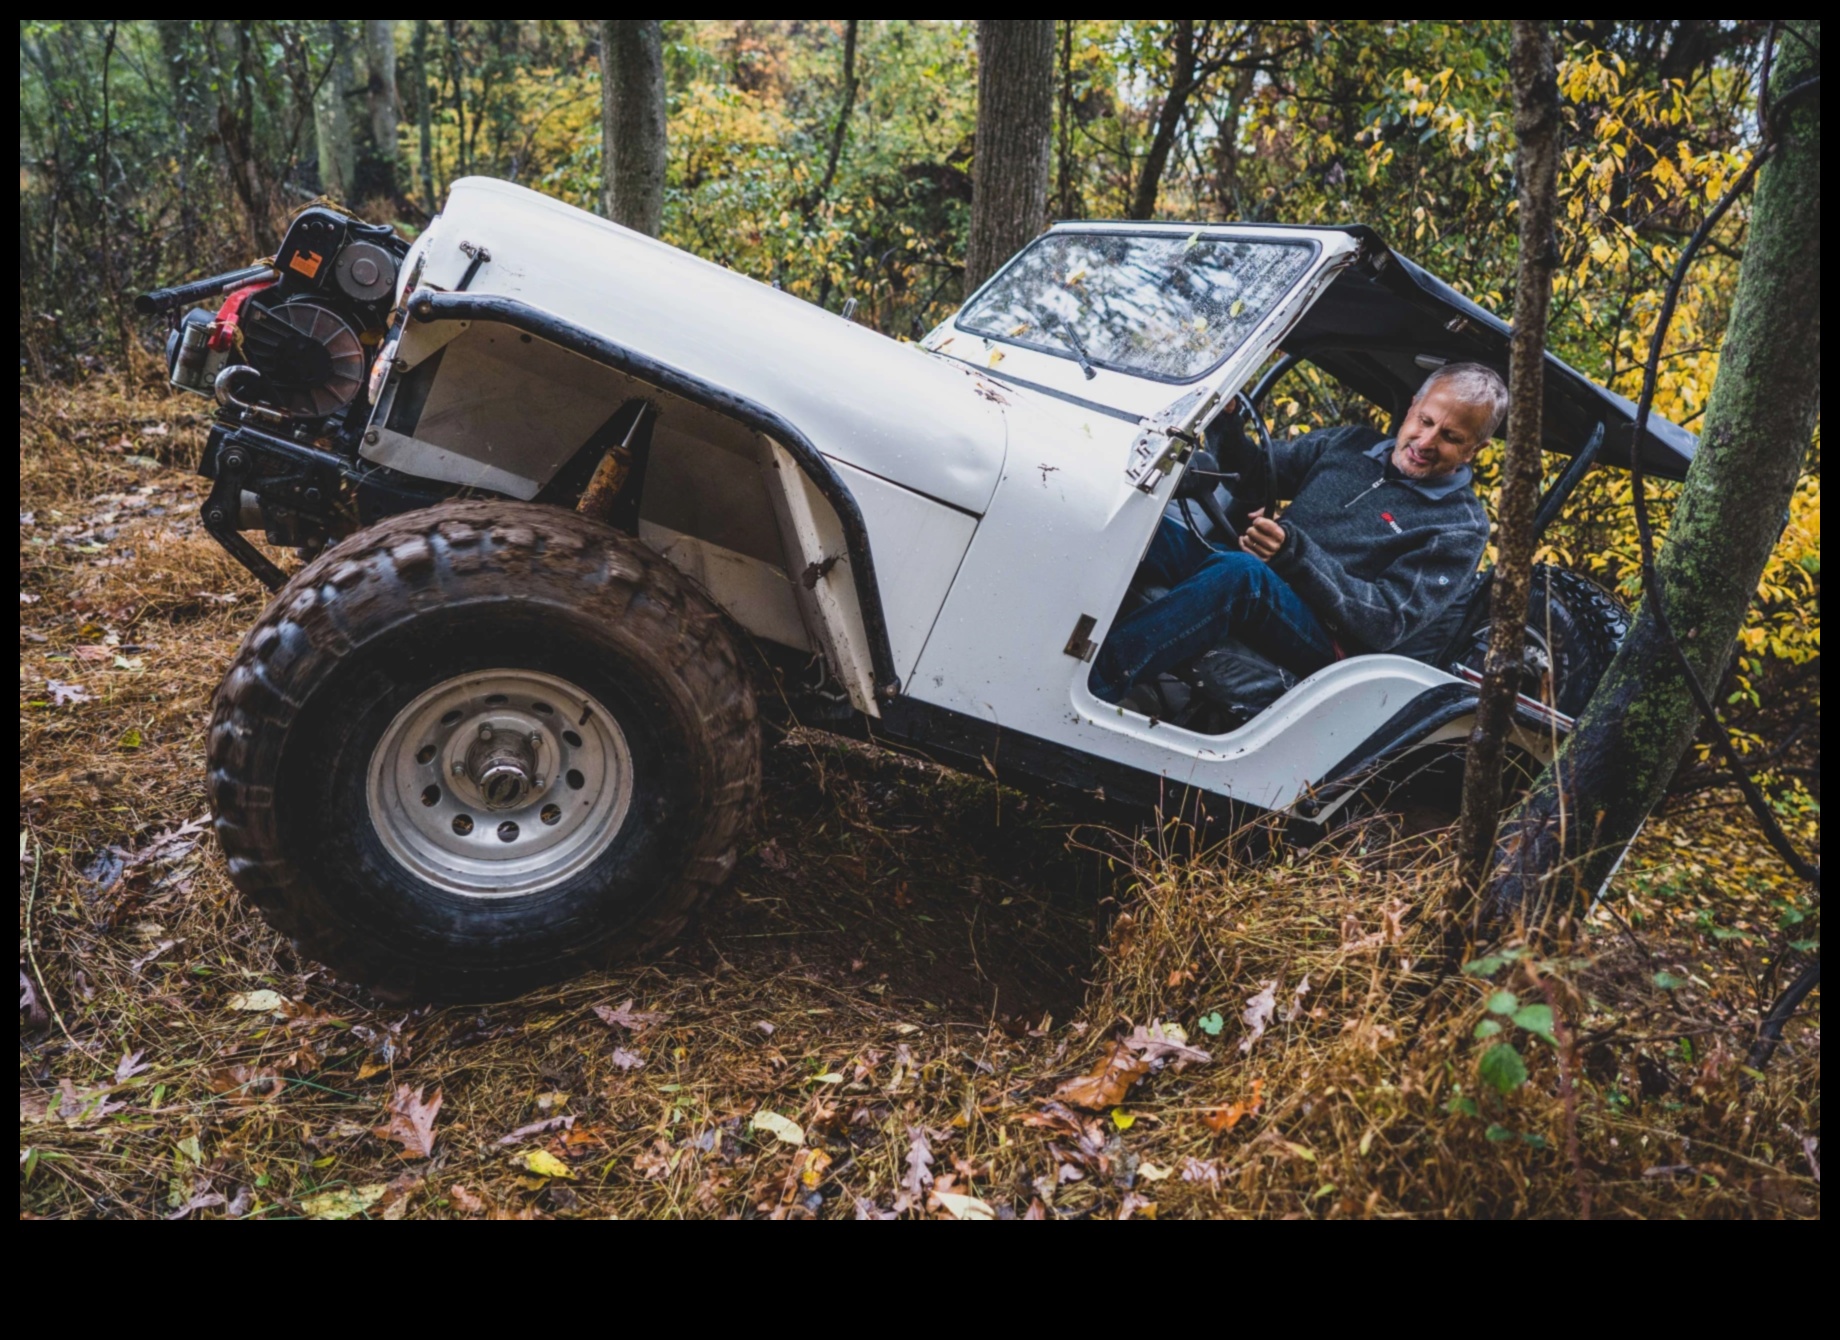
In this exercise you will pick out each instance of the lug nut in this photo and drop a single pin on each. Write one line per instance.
(459, 768)
(535, 739)
(485, 732)
(536, 783)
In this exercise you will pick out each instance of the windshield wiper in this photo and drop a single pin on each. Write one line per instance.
(1072, 341)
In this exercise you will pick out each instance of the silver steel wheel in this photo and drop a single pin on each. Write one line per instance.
(500, 783)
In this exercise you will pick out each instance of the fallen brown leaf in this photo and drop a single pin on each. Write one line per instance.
(1226, 1118)
(129, 1066)
(537, 1128)
(1257, 1014)
(625, 1016)
(1106, 1084)
(919, 1174)
(1162, 1041)
(1054, 1116)
(247, 1084)
(411, 1122)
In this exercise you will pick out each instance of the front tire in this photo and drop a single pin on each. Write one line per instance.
(481, 747)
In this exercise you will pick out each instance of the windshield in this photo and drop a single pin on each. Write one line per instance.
(1163, 306)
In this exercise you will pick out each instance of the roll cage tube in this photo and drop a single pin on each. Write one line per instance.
(427, 306)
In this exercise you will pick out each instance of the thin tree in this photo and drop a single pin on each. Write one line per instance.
(1063, 179)
(1015, 141)
(1570, 831)
(380, 97)
(845, 103)
(424, 119)
(1536, 158)
(1188, 75)
(633, 123)
(338, 151)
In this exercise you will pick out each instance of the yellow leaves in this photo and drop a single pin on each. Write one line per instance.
(258, 1002)
(783, 1129)
(545, 1164)
(344, 1202)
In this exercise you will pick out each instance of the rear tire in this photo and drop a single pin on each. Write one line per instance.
(1574, 627)
(1587, 625)
(480, 747)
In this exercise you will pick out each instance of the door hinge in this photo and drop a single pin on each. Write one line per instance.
(1080, 646)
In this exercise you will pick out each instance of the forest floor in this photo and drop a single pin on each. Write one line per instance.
(879, 1018)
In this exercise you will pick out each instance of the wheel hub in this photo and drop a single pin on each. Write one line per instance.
(503, 767)
(500, 782)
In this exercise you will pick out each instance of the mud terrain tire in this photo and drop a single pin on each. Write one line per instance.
(1582, 625)
(399, 612)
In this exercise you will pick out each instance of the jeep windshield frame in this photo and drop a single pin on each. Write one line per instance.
(1157, 305)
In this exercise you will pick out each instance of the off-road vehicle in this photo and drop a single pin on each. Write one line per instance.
(569, 493)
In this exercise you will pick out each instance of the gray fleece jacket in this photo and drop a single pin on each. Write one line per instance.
(1376, 555)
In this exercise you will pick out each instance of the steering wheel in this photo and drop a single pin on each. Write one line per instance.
(1264, 491)
(1250, 489)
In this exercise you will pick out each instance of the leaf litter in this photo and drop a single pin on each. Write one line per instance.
(156, 982)
(411, 1121)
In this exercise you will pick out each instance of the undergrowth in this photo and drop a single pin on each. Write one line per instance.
(883, 1014)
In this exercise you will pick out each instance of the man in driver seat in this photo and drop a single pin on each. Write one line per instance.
(1381, 535)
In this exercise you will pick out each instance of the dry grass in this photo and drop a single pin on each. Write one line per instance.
(909, 962)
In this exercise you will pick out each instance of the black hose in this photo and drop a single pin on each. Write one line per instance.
(1770, 1031)
(170, 299)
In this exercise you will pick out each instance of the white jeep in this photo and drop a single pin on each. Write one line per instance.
(584, 492)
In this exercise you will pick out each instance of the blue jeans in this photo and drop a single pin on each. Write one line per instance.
(1213, 593)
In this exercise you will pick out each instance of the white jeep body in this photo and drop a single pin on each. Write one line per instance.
(1007, 497)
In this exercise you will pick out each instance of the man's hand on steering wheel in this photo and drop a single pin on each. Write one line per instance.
(1261, 536)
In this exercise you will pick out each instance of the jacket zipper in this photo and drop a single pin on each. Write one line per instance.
(1363, 493)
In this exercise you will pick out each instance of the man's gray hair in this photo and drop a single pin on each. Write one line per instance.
(1474, 384)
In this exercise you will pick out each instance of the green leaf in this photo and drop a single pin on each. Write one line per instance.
(1487, 966)
(1502, 1068)
(1487, 1028)
(1504, 1002)
(131, 739)
(1535, 1139)
(1499, 1133)
(1211, 1024)
(1461, 1106)
(1667, 981)
(1537, 1019)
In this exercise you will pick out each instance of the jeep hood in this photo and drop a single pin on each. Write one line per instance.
(884, 407)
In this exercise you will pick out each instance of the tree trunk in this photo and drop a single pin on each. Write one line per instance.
(424, 116)
(1063, 177)
(380, 95)
(1182, 83)
(1536, 131)
(1568, 834)
(194, 118)
(338, 153)
(632, 122)
(236, 132)
(1226, 135)
(845, 104)
(1015, 141)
